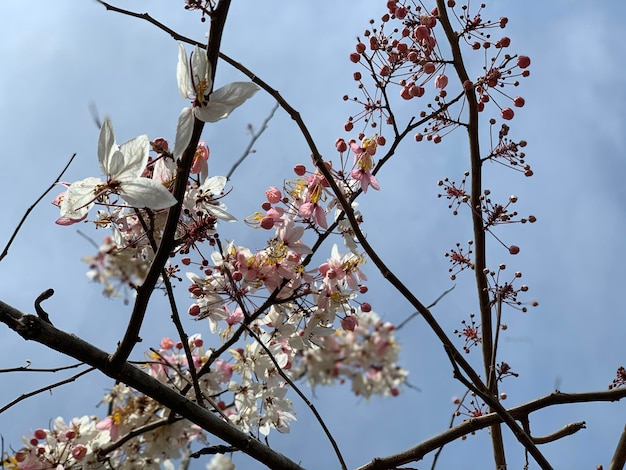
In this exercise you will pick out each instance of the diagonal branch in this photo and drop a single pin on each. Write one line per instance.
(32, 328)
(144, 291)
(28, 211)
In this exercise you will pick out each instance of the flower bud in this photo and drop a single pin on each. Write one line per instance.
(507, 113)
(523, 61)
(273, 195)
(349, 323)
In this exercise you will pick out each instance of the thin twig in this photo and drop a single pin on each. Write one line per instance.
(416, 313)
(27, 368)
(47, 388)
(302, 396)
(255, 137)
(28, 211)
(454, 415)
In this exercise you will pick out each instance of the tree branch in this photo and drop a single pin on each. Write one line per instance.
(32, 328)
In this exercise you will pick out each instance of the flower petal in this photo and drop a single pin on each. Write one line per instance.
(222, 102)
(134, 159)
(79, 198)
(182, 74)
(106, 145)
(184, 130)
(213, 185)
(144, 192)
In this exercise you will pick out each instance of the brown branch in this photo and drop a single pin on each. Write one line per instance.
(566, 430)
(131, 337)
(47, 388)
(469, 426)
(32, 328)
(480, 251)
(619, 457)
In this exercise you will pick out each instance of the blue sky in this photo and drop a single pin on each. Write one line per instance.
(58, 57)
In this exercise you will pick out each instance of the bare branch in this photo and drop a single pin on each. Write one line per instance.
(47, 388)
(255, 137)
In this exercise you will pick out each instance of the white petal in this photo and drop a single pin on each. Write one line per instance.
(135, 158)
(182, 74)
(106, 145)
(213, 185)
(144, 192)
(79, 198)
(201, 70)
(222, 102)
(184, 129)
(219, 211)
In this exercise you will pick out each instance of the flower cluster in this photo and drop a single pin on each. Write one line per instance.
(312, 325)
(403, 53)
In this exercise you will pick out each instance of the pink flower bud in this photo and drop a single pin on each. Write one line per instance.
(441, 81)
(518, 101)
(70, 434)
(366, 307)
(406, 94)
(523, 61)
(167, 343)
(348, 126)
(429, 68)
(40, 434)
(200, 158)
(160, 145)
(514, 249)
(341, 145)
(273, 195)
(504, 42)
(355, 57)
(194, 310)
(400, 12)
(507, 113)
(357, 76)
(360, 48)
(417, 90)
(349, 323)
(79, 451)
(299, 170)
(267, 223)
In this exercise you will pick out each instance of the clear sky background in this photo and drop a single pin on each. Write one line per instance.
(57, 57)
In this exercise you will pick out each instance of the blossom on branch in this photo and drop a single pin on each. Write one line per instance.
(195, 82)
(123, 166)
